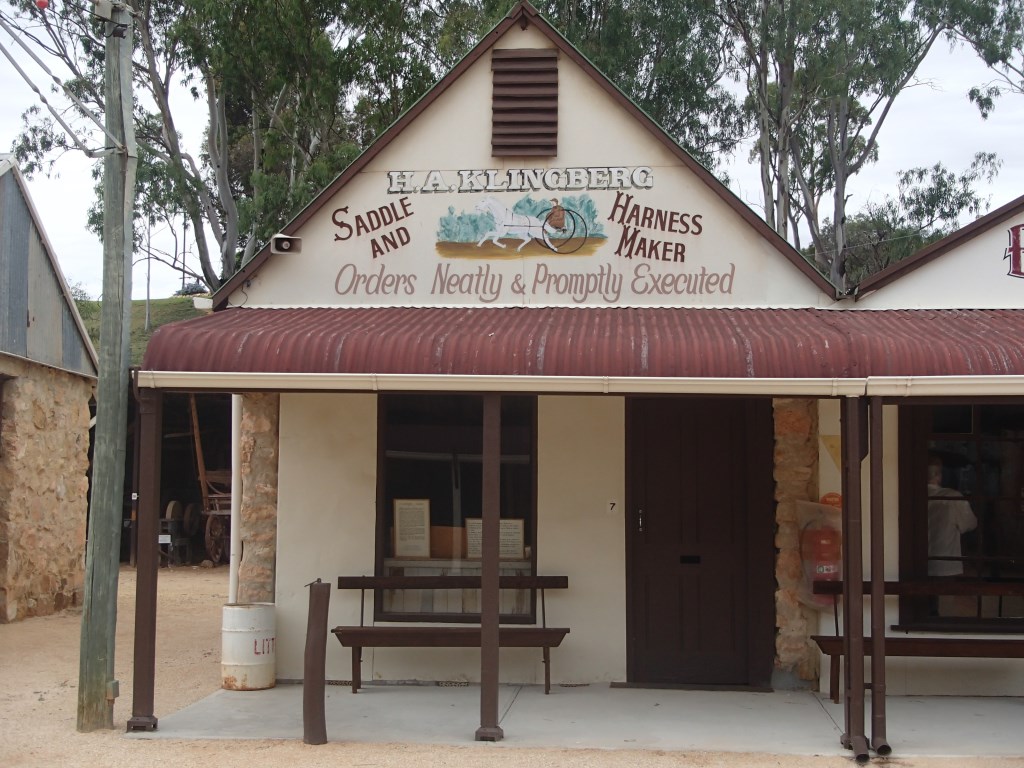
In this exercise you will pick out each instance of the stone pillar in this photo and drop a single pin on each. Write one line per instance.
(259, 454)
(796, 479)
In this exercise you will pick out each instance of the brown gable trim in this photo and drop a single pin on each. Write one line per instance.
(524, 103)
(524, 14)
(939, 247)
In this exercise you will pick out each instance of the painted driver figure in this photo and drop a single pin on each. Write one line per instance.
(556, 217)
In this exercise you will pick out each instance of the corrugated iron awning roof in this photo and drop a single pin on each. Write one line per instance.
(610, 342)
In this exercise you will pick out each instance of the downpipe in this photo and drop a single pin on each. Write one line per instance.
(881, 747)
(859, 746)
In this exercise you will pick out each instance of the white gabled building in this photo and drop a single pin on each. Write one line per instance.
(673, 382)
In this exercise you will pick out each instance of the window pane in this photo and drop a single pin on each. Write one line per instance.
(951, 481)
(432, 449)
(951, 419)
(964, 516)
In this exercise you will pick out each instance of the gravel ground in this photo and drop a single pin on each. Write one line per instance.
(38, 702)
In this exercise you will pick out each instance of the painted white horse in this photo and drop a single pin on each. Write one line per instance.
(508, 223)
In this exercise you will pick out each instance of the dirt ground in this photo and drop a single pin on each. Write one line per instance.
(38, 703)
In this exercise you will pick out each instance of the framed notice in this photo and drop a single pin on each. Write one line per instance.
(510, 537)
(412, 527)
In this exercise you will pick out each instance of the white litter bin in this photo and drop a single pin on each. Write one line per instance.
(248, 645)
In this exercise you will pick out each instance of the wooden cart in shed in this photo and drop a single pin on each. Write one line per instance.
(215, 486)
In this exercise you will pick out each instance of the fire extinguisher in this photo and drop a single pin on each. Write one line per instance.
(822, 554)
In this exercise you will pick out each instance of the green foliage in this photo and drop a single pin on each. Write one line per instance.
(463, 227)
(88, 309)
(668, 57)
(195, 288)
(822, 77)
(930, 203)
(466, 227)
(995, 30)
(161, 311)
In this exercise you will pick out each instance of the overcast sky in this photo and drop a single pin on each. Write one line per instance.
(931, 122)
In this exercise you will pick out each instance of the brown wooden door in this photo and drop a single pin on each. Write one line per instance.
(699, 539)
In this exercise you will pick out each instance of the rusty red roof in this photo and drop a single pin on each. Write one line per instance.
(611, 342)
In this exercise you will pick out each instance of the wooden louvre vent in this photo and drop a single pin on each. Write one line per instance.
(525, 102)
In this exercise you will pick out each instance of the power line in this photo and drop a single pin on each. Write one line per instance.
(117, 146)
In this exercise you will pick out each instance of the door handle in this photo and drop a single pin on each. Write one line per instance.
(640, 520)
(689, 559)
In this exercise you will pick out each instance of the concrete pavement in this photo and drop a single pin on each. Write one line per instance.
(599, 716)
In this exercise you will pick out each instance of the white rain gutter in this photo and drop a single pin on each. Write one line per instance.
(235, 556)
(327, 382)
(880, 386)
(945, 386)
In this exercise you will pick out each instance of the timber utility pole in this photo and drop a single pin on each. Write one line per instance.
(97, 687)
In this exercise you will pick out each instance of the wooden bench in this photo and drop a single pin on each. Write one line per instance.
(925, 647)
(450, 636)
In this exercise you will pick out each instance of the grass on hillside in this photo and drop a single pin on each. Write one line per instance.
(161, 312)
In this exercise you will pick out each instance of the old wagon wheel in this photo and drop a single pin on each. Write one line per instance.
(215, 533)
(567, 231)
(193, 520)
(174, 510)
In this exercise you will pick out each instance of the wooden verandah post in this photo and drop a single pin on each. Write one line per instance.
(148, 560)
(878, 727)
(489, 729)
(853, 421)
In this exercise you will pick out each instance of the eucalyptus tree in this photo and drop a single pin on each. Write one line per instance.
(927, 206)
(290, 91)
(670, 58)
(821, 78)
(69, 38)
(995, 30)
(274, 77)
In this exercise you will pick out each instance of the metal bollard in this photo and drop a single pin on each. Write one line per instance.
(314, 675)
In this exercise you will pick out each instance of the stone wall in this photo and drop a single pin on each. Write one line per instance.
(259, 453)
(44, 460)
(796, 479)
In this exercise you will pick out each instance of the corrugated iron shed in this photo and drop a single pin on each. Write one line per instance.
(38, 317)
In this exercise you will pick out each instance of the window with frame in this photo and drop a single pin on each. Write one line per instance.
(962, 513)
(430, 505)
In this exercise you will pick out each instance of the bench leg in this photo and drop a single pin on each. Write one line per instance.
(357, 658)
(547, 670)
(833, 678)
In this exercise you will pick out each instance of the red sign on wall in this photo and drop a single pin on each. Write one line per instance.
(1013, 251)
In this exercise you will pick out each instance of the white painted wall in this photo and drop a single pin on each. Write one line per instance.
(326, 529)
(972, 276)
(582, 461)
(904, 676)
(325, 514)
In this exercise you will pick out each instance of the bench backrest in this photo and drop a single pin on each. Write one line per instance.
(929, 588)
(364, 583)
(972, 588)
